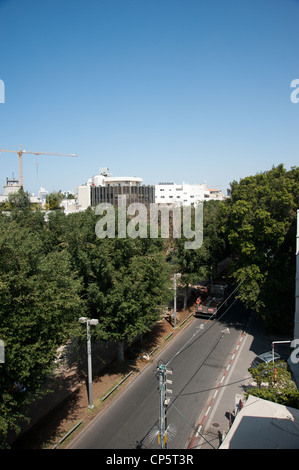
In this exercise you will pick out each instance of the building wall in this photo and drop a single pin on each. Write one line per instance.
(84, 196)
(12, 186)
(114, 189)
(184, 194)
(118, 193)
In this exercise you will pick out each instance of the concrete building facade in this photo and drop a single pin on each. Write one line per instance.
(107, 188)
(185, 194)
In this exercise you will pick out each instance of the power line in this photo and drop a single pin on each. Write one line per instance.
(162, 431)
(193, 427)
(217, 320)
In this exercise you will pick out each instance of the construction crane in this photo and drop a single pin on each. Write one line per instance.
(20, 155)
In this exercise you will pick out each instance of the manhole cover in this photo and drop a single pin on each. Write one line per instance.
(216, 425)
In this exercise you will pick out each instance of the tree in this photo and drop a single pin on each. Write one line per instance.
(39, 302)
(130, 288)
(274, 383)
(259, 222)
(200, 263)
(125, 281)
(19, 201)
(53, 200)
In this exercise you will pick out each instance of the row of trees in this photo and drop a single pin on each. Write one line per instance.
(258, 223)
(54, 271)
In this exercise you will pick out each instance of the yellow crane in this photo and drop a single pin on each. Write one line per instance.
(20, 155)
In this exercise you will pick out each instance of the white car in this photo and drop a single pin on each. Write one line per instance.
(265, 358)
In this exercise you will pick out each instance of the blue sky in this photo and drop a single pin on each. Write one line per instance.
(168, 90)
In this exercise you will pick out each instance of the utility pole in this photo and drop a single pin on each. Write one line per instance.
(174, 299)
(89, 322)
(163, 404)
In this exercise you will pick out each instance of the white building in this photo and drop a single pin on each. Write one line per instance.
(262, 424)
(83, 197)
(70, 205)
(185, 194)
(213, 193)
(42, 195)
(12, 186)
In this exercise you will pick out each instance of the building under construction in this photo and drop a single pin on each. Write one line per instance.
(114, 190)
(121, 193)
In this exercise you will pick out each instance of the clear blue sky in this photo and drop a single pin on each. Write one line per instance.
(168, 90)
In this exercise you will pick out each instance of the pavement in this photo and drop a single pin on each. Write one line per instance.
(64, 384)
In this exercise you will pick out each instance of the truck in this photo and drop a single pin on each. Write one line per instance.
(210, 301)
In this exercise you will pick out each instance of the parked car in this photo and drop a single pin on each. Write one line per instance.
(265, 358)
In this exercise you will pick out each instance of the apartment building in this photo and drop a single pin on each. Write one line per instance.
(185, 194)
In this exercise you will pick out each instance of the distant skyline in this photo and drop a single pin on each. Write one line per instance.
(168, 90)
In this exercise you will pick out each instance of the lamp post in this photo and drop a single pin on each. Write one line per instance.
(174, 300)
(89, 362)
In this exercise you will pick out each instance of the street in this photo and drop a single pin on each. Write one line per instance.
(197, 356)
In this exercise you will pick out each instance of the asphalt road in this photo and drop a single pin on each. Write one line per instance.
(198, 357)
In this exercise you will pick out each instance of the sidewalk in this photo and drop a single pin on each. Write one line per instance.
(216, 419)
(220, 411)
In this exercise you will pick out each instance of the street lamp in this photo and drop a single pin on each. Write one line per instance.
(88, 323)
(174, 302)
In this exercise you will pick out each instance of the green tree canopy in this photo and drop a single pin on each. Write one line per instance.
(39, 302)
(53, 200)
(200, 264)
(274, 383)
(259, 225)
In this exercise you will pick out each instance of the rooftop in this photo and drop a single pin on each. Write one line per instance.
(262, 424)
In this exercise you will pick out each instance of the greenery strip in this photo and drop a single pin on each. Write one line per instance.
(114, 388)
(67, 434)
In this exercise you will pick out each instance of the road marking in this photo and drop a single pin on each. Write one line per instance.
(216, 392)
